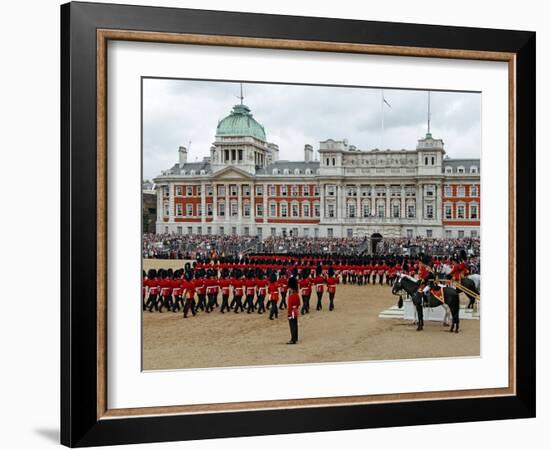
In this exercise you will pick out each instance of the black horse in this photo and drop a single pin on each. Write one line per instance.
(410, 286)
(471, 286)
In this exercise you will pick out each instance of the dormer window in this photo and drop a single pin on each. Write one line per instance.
(473, 169)
(460, 169)
(286, 172)
(448, 169)
(275, 171)
(296, 171)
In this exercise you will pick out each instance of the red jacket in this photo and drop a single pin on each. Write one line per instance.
(293, 305)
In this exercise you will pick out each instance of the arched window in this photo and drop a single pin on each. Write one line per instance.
(296, 171)
(191, 172)
(308, 171)
(448, 169)
(286, 172)
(460, 169)
(327, 161)
(275, 171)
(473, 169)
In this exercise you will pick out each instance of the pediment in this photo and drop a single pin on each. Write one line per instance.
(232, 173)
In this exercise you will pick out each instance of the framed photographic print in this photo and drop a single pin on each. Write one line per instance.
(277, 224)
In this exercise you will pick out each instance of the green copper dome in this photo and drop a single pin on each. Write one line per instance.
(240, 123)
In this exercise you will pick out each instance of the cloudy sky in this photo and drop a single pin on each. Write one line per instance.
(176, 112)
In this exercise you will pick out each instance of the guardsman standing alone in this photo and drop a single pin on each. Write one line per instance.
(293, 309)
(273, 291)
(331, 283)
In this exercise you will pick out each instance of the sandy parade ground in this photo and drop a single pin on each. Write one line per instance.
(352, 332)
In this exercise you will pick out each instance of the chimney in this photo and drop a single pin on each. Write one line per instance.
(308, 153)
(183, 155)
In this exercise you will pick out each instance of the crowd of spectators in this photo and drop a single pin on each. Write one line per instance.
(175, 246)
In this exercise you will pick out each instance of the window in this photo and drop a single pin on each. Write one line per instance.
(460, 169)
(180, 230)
(330, 232)
(448, 211)
(199, 230)
(460, 211)
(246, 190)
(259, 210)
(426, 161)
(296, 171)
(409, 233)
(286, 171)
(246, 209)
(351, 191)
(448, 192)
(305, 209)
(305, 190)
(259, 190)
(284, 210)
(330, 210)
(380, 210)
(209, 190)
(294, 190)
(233, 190)
(209, 209)
(461, 191)
(275, 171)
(199, 210)
(189, 191)
(316, 190)
(192, 172)
(316, 232)
(273, 231)
(221, 209)
(189, 211)
(473, 169)
(165, 191)
(179, 209)
(209, 231)
(259, 232)
(308, 171)
(331, 190)
(448, 170)
(221, 190)
(448, 234)
(199, 190)
(294, 232)
(234, 231)
(395, 210)
(306, 232)
(429, 211)
(474, 192)
(283, 190)
(246, 231)
(333, 161)
(272, 209)
(460, 234)
(411, 211)
(294, 209)
(272, 190)
(317, 208)
(349, 232)
(234, 210)
(410, 191)
(179, 190)
(380, 191)
(473, 211)
(222, 231)
(429, 233)
(366, 209)
(351, 210)
(189, 230)
(430, 190)
(240, 154)
(473, 233)
(166, 230)
(433, 160)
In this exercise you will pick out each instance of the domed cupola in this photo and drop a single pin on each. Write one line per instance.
(240, 122)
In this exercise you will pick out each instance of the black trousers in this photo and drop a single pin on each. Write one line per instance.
(249, 303)
(305, 306)
(293, 324)
(331, 301)
(367, 278)
(282, 305)
(261, 304)
(225, 303)
(189, 305)
(202, 302)
(211, 302)
(273, 311)
(177, 303)
(238, 299)
(151, 302)
(319, 301)
(165, 302)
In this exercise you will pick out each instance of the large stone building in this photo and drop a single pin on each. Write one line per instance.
(244, 188)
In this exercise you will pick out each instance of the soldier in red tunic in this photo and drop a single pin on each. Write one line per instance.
(305, 290)
(261, 291)
(189, 294)
(319, 282)
(224, 284)
(283, 286)
(238, 291)
(250, 289)
(273, 292)
(331, 287)
(293, 309)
